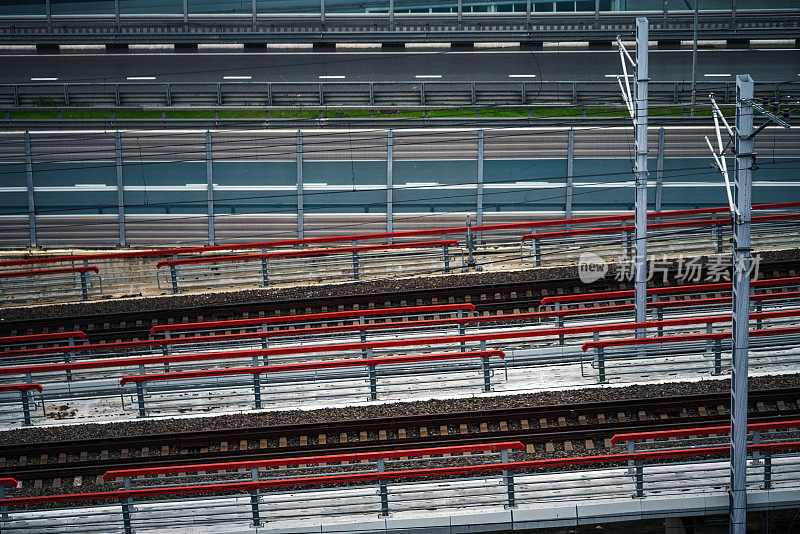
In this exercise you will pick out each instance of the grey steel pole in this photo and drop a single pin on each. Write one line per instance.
(120, 188)
(741, 301)
(694, 57)
(640, 118)
(479, 179)
(322, 11)
(570, 172)
(389, 181)
(210, 188)
(299, 184)
(29, 183)
(660, 169)
(48, 10)
(255, 15)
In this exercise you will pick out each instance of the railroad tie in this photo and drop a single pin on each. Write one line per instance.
(568, 446)
(37, 483)
(782, 406)
(282, 441)
(462, 429)
(484, 427)
(303, 440)
(702, 411)
(529, 448)
(122, 454)
(581, 419)
(761, 407)
(607, 443)
(503, 426)
(99, 480)
(342, 439)
(145, 452)
(662, 415)
(642, 415)
(322, 439)
(23, 460)
(77, 481)
(44, 459)
(589, 445)
(543, 423)
(562, 421)
(549, 447)
(223, 447)
(423, 431)
(684, 413)
(243, 446)
(164, 450)
(524, 424)
(56, 482)
(84, 456)
(622, 417)
(203, 450)
(401, 433)
(104, 454)
(382, 434)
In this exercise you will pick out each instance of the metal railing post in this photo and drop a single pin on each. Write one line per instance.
(126, 507)
(487, 374)
(186, 16)
(257, 389)
(3, 509)
(84, 286)
(210, 188)
(639, 468)
(537, 251)
(389, 180)
(600, 359)
(299, 184)
(264, 272)
(660, 165)
(373, 383)
(355, 265)
(767, 470)
(384, 491)
(446, 257)
(255, 15)
(26, 409)
(479, 176)
(120, 187)
(140, 399)
(322, 11)
(254, 499)
(559, 322)
(462, 330)
(508, 480)
(173, 273)
(570, 173)
(29, 182)
(391, 15)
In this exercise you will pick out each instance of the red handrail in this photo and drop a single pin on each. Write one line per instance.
(44, 272)
(310, 317)
(393, 343)
(310, 460)
(307, 366)
(32, 338)
(696, 288)
(9, 482)
(657, 226)
(683, 338)
(389, 475)
(702, 431)
(385, 235)
(307, 252)
(21, 387)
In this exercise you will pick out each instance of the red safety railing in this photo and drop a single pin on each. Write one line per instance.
(373, 476)
(393, 343)
(21, 387)
(683, 338)
(702, 431)
(9, 482)
(310, 366)
(45, 272)
(657, 226)
(35, 338)
(310, 460)
(305, 253)
(316, 317)
(151, 343)
(672, 290)
(377, 236)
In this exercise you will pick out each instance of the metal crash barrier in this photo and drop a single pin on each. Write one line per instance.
(79, 283)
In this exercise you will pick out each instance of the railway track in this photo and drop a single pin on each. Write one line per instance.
(546, 430)
(492, 296)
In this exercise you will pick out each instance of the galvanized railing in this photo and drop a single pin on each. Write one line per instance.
(367, 95)
(385, 25)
